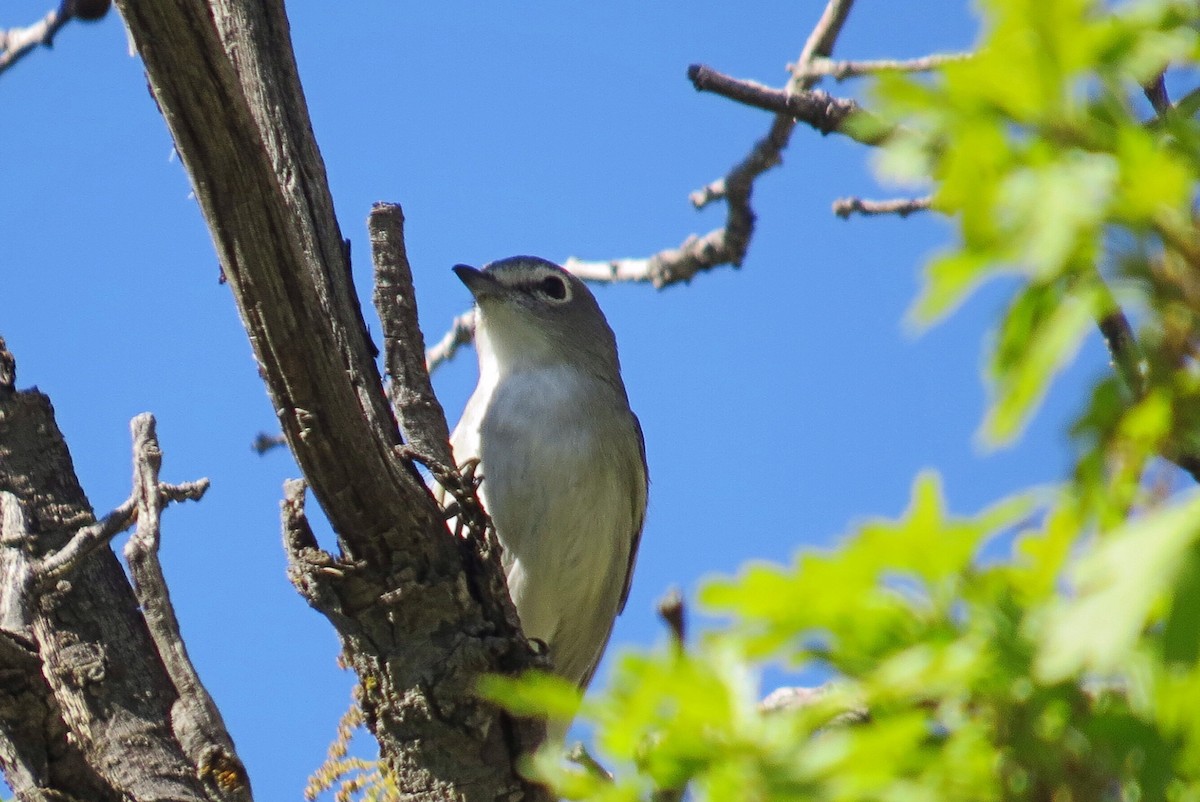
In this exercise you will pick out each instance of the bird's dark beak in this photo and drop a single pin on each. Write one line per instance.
(481, 284)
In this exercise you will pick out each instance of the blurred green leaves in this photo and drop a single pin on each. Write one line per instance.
(1037, 151)
(1047, 647)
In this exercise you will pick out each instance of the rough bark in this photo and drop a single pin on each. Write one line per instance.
(415, 606)
(85, 703)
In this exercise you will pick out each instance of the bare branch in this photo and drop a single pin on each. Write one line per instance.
(1156, 93)
(416, 608)
(417, 409)
(17, 575)
(800, 697)
(841, 70)
(462, 332)
(844, 207)
(728, 245)
(16, 43)
(195, 718)
(309, 568)
(723, 246)
(100, 699)
(580, 756)
(65, 560)
(815, 108)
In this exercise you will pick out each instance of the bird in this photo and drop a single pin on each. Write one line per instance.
(560, 453)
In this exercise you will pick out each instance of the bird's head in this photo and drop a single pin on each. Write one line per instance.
(531, 312)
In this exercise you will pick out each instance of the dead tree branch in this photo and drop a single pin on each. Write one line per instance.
(815, 108)
(417, 409)
(841, 70)
(85, 706)
(1156, 93)
(414, 606)
(902, 207)
(16, 43)
(195, 719)
(462, 332)
(726, 245)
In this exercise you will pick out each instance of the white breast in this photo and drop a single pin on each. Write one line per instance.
(564, 483)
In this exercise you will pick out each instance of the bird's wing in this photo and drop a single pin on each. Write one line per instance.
(640, 493)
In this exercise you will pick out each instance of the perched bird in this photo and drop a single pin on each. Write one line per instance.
(560, 452)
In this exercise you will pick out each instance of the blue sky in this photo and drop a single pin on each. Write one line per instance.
(780, 402)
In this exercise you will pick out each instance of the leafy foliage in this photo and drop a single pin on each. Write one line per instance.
(1070, 667)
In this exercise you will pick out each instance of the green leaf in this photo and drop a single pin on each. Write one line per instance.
(949, 278)
(1118, 583)
(534, 693)
(1181, 633)
(1055, 210)
(1041, 334)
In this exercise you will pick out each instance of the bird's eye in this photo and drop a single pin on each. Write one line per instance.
(553, 287)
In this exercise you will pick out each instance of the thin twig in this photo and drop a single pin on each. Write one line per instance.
(819, 45)
(580, 756)
(723, 246)
(782, 699)
(195, 719)
(16, 43)
(815, 108)
(844, 207)
(417, 409)
(60, 563)
(841, 70)
(726, 245)
(462, 332)
(1156, 93)
(672, 611)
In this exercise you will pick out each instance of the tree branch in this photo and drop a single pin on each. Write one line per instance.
(723, 246)
(844, 207)
(815, 108)
(195, 720)
(841, 70)
(1156, 93)
(16, 43)
(91, 719)
(417, 408)
(415, 608)
(462, 332)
